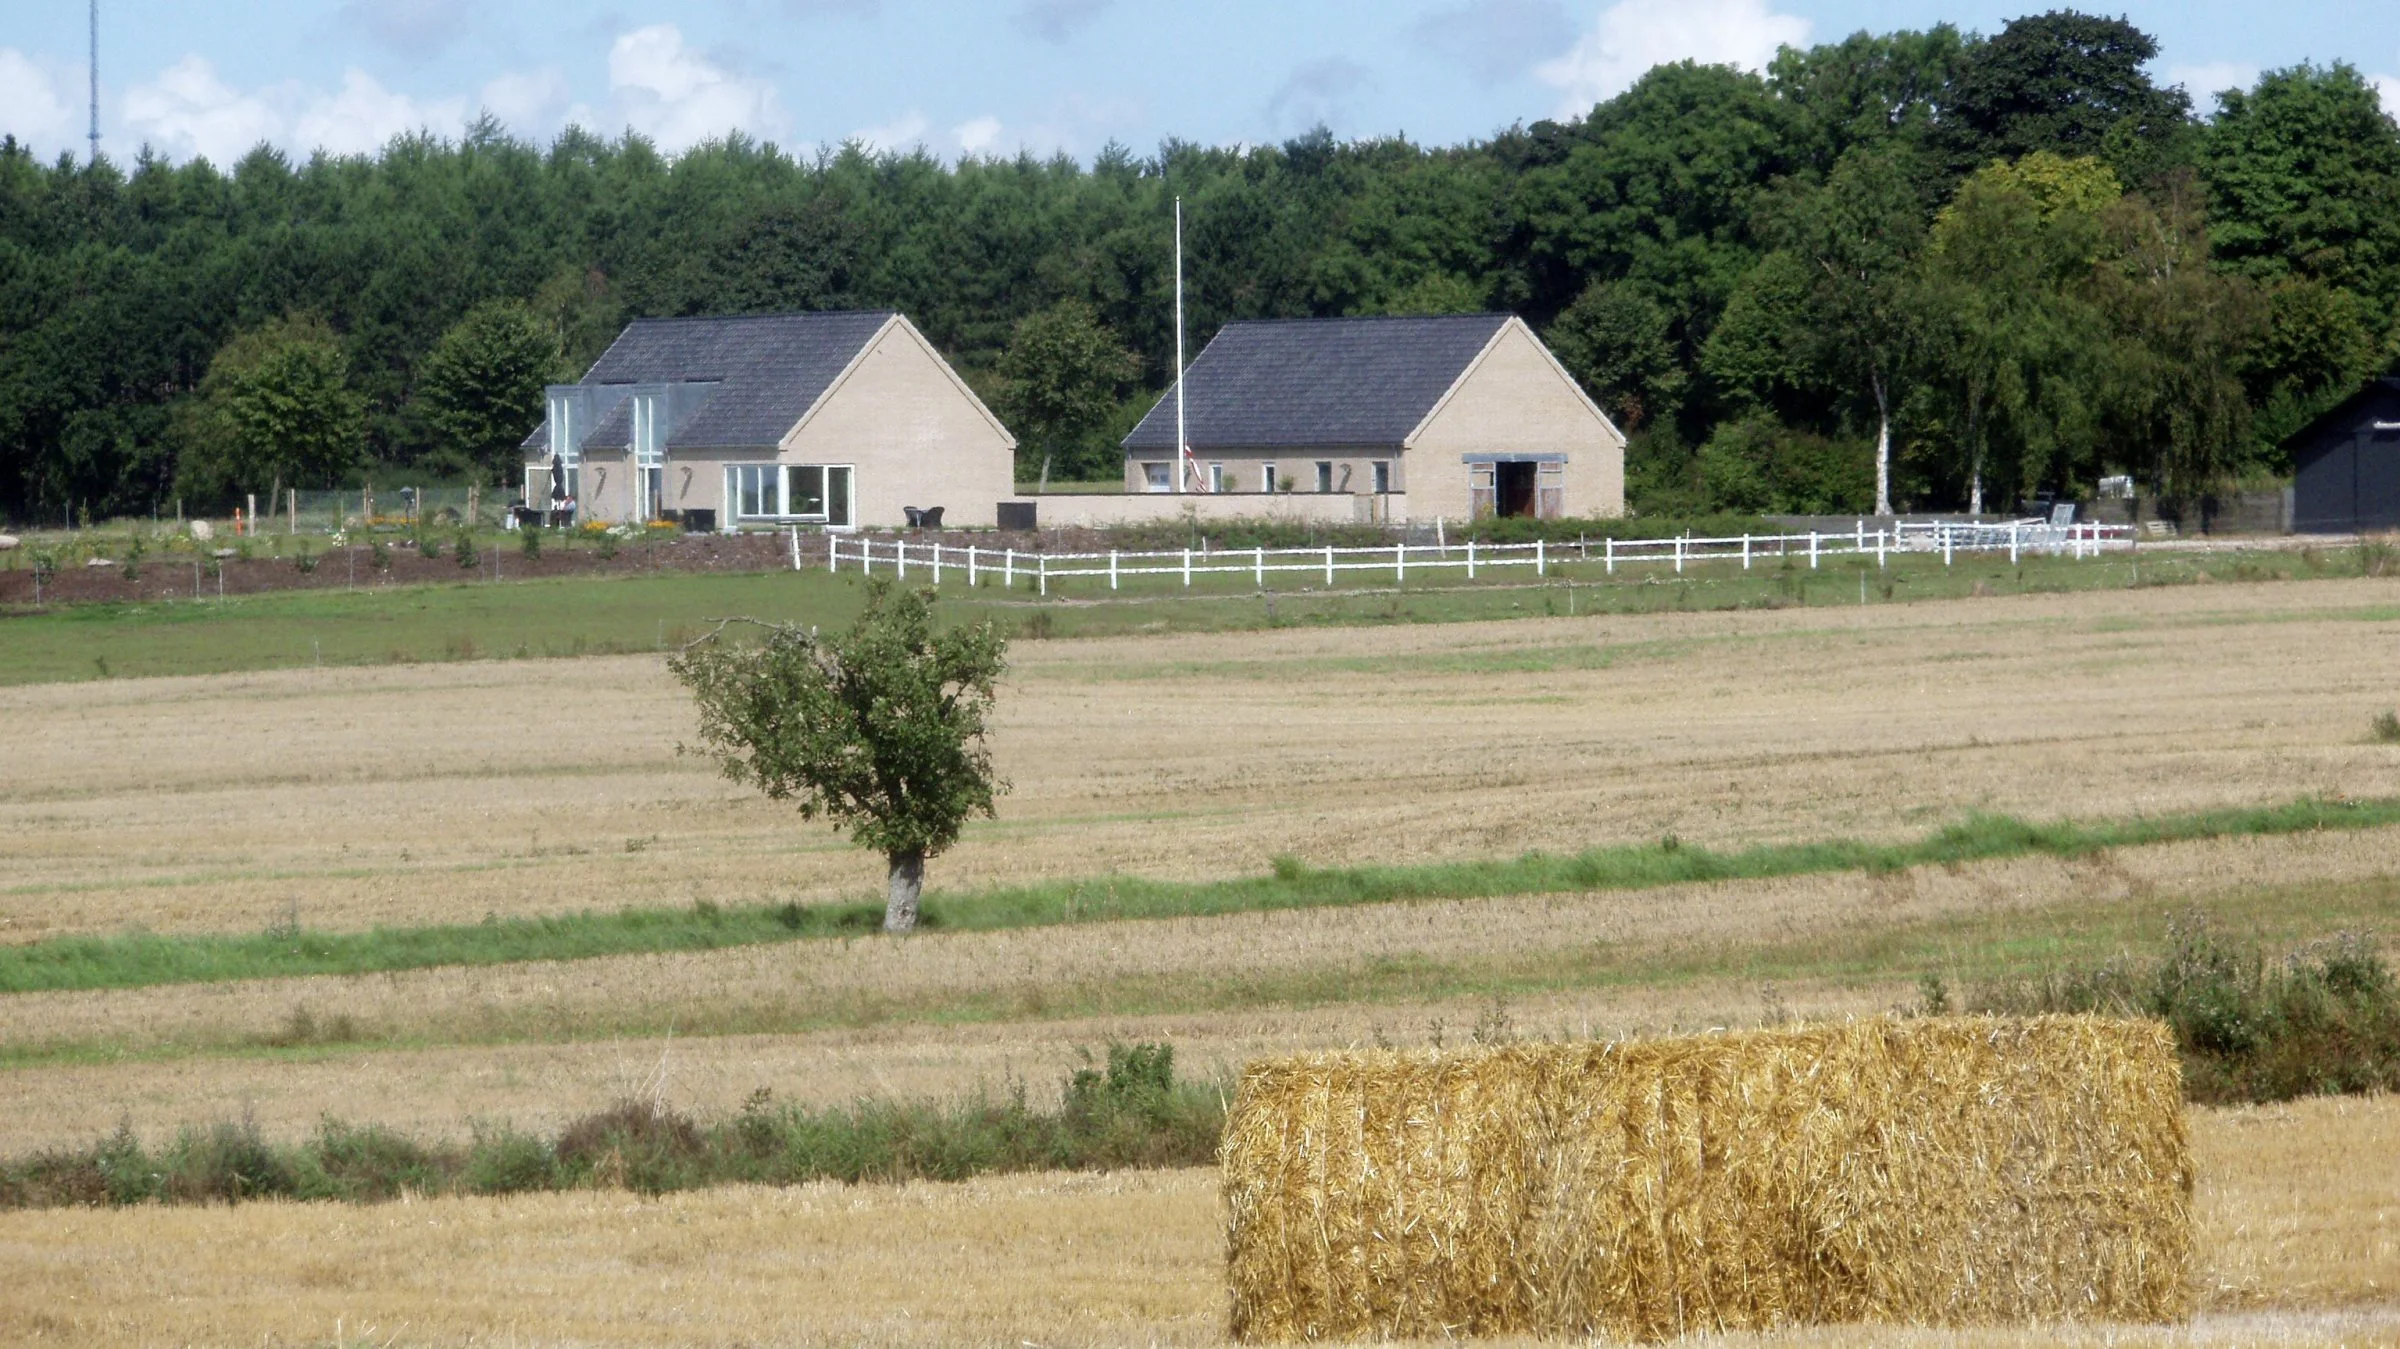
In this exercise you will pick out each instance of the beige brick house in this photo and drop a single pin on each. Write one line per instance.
(839, 420)
(1453, 417)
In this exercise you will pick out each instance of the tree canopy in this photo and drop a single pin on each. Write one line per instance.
(1707, 248)
(879, 730)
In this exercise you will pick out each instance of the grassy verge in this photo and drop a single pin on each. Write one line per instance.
(613, 615)
(1130, 1113)
(2322, 1020)
(137, 960)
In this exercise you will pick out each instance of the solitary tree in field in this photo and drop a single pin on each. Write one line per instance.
(880, 730)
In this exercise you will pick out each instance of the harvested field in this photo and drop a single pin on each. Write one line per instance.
(1297, 957)
(347, 798)
(2297, 1244)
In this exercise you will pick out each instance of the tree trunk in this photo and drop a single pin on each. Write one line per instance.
(1883, 449)
(1045, 483)
(908, 879)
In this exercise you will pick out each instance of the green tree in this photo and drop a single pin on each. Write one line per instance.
(2173, 408)
(1617, 343)
(2303, 178)
(2062, 82)
(879, 730)
(276, 409)
(1064, 372)
(1863, 237)
(2012, 343)
(482, 388)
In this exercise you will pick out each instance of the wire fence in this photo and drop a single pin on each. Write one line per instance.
(974, 564)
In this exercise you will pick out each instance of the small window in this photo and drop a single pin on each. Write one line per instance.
(839, 483)
(1216, 477)
(1266, 478)
(1383, 476)
(1154, 477)
(1324, 475)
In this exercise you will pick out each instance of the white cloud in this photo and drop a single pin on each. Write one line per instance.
(364, 116)
(35, 106)
(188, 111)
(1634, 35)
(1057, 20)
(896, 136)
(2387, 88)
(414, 28)
(977, 136)
(529, 102)
(1318, 94)
(1494, 40)
(678, 96)
(2204, 82)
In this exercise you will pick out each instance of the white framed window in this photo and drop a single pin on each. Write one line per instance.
(649, 457)
(1216, 477)
(1324, 475)
(1155, 476)
(819, 493)
(754, 491)
(1383, 476)
(1266, 478)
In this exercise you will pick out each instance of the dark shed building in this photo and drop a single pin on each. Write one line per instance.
(2346, 465)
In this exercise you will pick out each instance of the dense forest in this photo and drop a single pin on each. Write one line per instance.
(2015, 260)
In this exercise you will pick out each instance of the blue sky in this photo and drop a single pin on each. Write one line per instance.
(984, 78)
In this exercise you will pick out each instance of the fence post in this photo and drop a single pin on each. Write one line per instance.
(1540, 565)
(937, 564)
(1610, 552)
(1400, 565)
(1947, 539)
(1812, 550)
(795, 548)
(1470, 559)
(1745, 550)
(1679, 554)
(1187, 568)
(2012, 543)
(291, 502)
(1112, 568)
(1329, 566)
(1044, 560)
(900, 556)
(1259, 563)
(1008, 570)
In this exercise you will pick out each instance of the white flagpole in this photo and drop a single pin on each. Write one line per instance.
(1183, 444)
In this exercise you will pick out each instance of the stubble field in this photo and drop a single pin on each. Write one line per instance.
(347, 799)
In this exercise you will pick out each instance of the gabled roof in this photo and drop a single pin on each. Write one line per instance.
(1345, 381)
(766, 372)
(2348, 408)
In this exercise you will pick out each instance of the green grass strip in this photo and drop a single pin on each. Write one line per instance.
(135, 960)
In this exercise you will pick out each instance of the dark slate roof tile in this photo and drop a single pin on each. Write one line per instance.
(1345, 381)
(768, 369)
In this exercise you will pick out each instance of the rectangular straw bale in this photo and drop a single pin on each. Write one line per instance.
(1928, 1171)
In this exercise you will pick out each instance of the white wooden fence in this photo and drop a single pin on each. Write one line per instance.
(974, 563)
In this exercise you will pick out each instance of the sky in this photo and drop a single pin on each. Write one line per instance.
(990, 78)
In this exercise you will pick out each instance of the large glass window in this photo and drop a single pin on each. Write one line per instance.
(756, 490)
(1155, 476)
(819, 493)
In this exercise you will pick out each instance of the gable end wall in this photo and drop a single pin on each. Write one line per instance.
(1516, 401)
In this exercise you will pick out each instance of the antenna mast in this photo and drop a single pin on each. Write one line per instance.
(1183, 444)
(95, 16)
